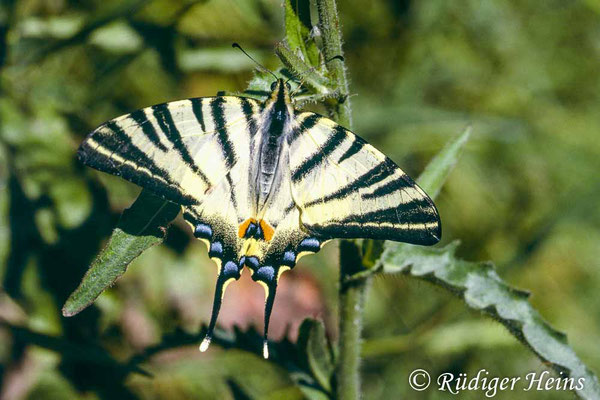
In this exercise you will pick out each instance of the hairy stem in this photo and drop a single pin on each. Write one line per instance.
(351, 302)
(329, 24)
(351, 296)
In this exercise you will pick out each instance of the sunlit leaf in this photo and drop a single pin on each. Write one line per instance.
(225, 59)
(435, 174)
(117, 37)
(141, 227)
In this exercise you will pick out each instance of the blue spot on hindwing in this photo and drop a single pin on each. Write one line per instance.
(310, 244)
(203, 231)
(230, 269)
(265, 274)
(289, 258)
(252, 262)
(216, 249)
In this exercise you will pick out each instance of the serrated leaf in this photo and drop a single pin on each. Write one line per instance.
(478, 284)
(433, 177)
(298, 30)
(314, 346)
(142, 226)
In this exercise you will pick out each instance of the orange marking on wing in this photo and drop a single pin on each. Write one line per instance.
(267, 229)
(244, 227)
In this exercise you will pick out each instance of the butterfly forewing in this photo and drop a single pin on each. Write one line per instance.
(179, 150)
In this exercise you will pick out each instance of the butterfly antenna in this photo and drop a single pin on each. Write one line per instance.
(262, 67)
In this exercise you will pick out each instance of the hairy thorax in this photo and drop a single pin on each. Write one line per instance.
(271, 140)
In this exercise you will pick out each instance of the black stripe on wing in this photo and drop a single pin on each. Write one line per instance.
(249, 113)
(304, 126)
(414, 222)
(330, 145)
(413, 212)
(232, 193)
(119, 143)
(167, 125)
(140, 118)
(366, 180)
(218, 113)
(394, 185)
(424, 237)
(197, 110)
(357, 145)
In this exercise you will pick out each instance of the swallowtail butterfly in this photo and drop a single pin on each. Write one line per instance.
(261, 183)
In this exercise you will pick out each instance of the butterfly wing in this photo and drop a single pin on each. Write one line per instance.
(178, 150)
(192, 152)
(345, 188)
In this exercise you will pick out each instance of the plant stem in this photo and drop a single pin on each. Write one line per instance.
(351, 302)
(351, 295)
(329, 24)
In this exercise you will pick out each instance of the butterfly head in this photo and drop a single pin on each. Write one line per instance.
(279, 101)
(280, 92)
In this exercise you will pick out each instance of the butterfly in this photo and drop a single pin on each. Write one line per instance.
(261, 183)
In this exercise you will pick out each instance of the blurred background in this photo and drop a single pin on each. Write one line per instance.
(525, 74)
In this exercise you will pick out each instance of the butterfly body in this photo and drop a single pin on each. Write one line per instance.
(261, 183)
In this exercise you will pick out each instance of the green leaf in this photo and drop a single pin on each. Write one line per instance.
(298, 30)
(142, 226)
(117, 37)
(433, 177)
(260, 84)
(478, 284)
(311, 393)
(227, 60)
(314, 346)
(299, 68)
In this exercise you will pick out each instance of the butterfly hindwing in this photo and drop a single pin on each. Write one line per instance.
(345, 188)
(192, 152)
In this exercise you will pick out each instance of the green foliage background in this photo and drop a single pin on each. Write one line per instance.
(524, 74)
